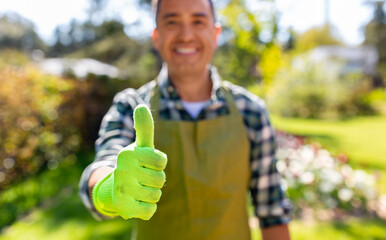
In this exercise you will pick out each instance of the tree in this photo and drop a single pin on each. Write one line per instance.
(79, 35)
(239, 56)
(317, 36)
(19, 33)
(375, 34)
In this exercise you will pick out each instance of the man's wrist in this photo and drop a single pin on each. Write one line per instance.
(102, 196)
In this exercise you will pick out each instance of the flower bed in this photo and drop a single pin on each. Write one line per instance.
(323, 184)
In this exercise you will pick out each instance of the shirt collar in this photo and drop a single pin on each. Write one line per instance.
(168, 90)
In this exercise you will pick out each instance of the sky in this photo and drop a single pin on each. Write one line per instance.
(349, 16)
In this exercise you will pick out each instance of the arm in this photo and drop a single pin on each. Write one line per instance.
(271, 205)
(276, 232)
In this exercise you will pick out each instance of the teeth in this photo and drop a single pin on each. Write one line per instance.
(186, 50)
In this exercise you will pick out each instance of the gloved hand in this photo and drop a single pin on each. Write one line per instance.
(133, 188)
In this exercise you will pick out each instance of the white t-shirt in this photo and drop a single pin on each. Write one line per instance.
(194, 108)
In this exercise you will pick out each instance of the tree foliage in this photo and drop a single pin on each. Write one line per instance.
(375, 34)
(18, 33)
(317, 36)
(239, 57)
(78, 35)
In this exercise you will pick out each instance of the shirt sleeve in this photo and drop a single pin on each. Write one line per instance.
(116, 132)
(271, 205)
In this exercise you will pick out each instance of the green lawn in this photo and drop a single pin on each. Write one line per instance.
(362, 139)
(351, 229)
(64, 217)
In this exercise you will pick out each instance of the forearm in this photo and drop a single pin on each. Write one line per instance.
(276, 232)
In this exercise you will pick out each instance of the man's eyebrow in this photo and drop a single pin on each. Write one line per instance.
(200, 15)
(170, 15)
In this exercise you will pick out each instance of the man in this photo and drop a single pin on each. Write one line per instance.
(217, 138)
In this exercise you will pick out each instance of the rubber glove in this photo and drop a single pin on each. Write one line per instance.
(134, 187)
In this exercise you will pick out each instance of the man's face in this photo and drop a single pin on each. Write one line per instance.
(186, 35)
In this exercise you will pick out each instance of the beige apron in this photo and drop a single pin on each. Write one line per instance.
(207, 178)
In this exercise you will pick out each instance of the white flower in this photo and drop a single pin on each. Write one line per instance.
(281, 166)
(282, 153)
(331, 175)
(336, 178)
(307, 178)
(326, 186)
(346, 171)
(362, 180)
(307, 154)
(296, 168)
(345, 194)
(324, 160)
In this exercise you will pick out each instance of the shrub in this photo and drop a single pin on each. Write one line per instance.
(311, 90)
(48, 127)
(37, 131)
(377, 99)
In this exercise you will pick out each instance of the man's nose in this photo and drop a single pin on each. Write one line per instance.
(186, 32)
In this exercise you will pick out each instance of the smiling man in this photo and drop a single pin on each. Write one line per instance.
(215, 137)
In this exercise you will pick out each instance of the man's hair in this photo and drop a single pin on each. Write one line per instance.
(157, 4)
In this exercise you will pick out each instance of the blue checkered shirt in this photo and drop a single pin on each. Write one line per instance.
(117, 131)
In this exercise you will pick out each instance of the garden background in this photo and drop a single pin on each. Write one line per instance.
(328, 107)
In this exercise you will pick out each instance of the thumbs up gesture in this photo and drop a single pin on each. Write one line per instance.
(134, 187)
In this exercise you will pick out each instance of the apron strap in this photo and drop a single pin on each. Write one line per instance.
(230, 101)
(155, 97)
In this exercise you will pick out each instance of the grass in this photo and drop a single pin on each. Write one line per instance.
(362, 139)
(64, 217)
(351, 229)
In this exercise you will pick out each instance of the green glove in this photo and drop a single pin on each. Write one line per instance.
(133, 188)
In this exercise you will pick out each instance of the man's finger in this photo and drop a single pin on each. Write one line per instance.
(151, 158)
(151, 178)
(144, 126)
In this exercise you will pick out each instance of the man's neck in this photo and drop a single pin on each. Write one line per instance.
(192, 87)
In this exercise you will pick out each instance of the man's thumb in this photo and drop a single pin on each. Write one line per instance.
(144, 126)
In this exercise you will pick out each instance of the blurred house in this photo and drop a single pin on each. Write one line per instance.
(80, 68)
(362, 59)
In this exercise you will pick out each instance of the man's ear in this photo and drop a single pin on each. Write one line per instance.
(218, 30)
(154, 36)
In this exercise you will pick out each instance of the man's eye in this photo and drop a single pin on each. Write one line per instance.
(171, 22)
(198, 22)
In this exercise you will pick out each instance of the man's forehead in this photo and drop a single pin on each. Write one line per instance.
(178, 7)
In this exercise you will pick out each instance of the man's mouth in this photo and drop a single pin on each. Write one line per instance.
(186, 50)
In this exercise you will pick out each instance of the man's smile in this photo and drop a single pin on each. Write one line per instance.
(186, 50)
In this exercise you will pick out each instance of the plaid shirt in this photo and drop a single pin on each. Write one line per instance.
(117, 131)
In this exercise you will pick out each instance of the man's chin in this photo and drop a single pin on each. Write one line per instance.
(187, 69)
